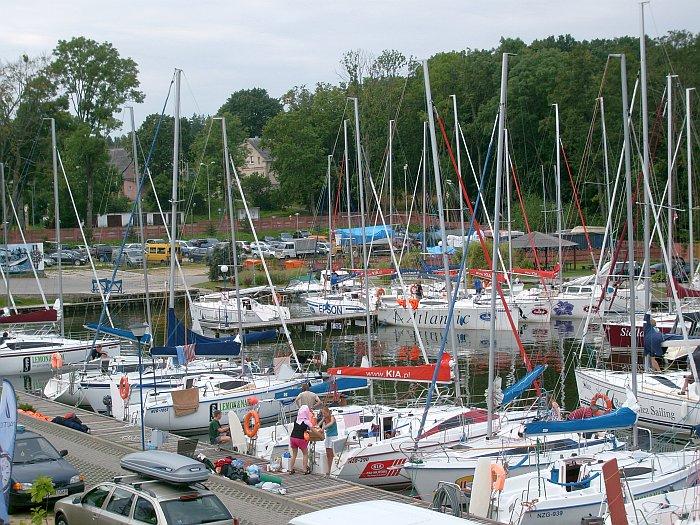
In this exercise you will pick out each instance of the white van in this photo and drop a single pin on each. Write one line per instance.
(286, 251)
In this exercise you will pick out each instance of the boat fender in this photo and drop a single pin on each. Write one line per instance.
(401, 302)
(324, 357)
(248, 430)
(124, 388)
(498, 474)
(252, 401)
(595, 407)
(56, 360)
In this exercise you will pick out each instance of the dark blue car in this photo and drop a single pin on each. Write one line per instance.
(35, 457)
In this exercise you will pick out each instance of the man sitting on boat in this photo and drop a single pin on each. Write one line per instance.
(218, 433)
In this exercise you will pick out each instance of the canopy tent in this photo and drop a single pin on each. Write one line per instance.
(372, 233)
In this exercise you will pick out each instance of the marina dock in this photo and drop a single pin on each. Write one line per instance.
(97, 454)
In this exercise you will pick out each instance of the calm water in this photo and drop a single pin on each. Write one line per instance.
(552, 344)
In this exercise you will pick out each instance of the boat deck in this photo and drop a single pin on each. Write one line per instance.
(96, 455)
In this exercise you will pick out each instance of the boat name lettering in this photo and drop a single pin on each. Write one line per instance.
(658, 411)
(41, 359)
(625, 331)
(229, 405)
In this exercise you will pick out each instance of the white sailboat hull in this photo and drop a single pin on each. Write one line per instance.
(464, 317)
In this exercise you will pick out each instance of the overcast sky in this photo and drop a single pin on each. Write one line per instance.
(226, 45)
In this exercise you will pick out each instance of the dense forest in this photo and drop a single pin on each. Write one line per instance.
(84, 86)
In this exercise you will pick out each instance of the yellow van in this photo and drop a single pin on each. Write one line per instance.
(159, 252)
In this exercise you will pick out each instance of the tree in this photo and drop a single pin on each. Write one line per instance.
(254, 107)
(259, 189)
(97, 81)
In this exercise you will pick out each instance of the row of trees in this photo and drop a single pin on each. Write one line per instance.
(84, 84)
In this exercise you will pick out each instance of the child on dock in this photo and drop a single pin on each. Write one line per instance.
(218, 433)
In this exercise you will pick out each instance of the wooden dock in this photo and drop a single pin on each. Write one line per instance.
(96, 455)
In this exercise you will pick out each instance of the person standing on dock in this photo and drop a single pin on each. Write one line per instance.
(307, 397)
(330, 428)
(218, 433)
(296, 440)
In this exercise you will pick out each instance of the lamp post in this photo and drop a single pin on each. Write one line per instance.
(139, 330)
(297, 216)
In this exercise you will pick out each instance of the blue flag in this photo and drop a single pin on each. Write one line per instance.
(8, 427)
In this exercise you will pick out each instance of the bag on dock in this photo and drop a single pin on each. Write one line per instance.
(314, 434)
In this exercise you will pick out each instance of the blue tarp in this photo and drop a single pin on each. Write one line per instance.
(621, 418)
(343, 384)
(372, 233)
(117, 332)
(516, 390)
(438, 250)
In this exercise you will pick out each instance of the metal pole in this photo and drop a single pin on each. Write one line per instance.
(508, 211)
(630, 234)
(143, 416)
(365, 262)
(347, 190)
(441, 215)
(558, 191)
(234, 248)
(4, 231)
(691, 255)
(669, 165)
(496, 239)
(57, 214)
(645, 161)
(605, 155)
(173, 203)
(425, 186)
(458, 152)
(391, 172)
(139, 211)
(208, 194)
(330, 225)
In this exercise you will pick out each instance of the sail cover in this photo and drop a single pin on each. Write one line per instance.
(323, 388)
(117, 332)
(516, 390)
(37, 316)
(623, 417)
(418, 373)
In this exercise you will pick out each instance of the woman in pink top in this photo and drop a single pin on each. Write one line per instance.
(297, 441)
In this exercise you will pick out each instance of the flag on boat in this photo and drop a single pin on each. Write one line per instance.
(8, 429)
(185, 353)
(418, 373)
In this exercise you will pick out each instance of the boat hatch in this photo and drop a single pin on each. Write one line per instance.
(665, 381)
(231, 385)
(633, 472)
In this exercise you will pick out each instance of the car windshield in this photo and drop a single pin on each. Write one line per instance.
(34, 450)
(196, 510)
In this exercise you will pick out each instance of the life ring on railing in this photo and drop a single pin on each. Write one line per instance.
(413, 302)
(594, 404)
(56, 360)
(124, 388)
(413, 289)
(498, 477)
(380, 292)
(248, 430)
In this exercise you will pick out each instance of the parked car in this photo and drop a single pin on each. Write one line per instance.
(69, 258)
(301, 234)
(131, 257)
(681, 269)
(185, 247)
(48, 262)
(286, 236)
(323, 247)
(167, 493)
(266, 249)
(269, 239)
(35, 456)
(201, 249)
(102, 252)
(243, 246)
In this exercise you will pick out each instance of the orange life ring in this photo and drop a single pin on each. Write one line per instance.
(413, 302)
(124, 388)
(56, 360)
(380, 292)
(498, 475)
(594, 404)
(414, 289)
(249, 431)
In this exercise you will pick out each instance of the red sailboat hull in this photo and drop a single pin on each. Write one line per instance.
(418, 373)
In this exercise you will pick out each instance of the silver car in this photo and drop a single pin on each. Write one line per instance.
(131, 499)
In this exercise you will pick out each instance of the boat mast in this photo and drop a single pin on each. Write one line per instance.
(425, 186)
(441, 215)
(560, 273)
(496, 238)
(645, 161)
(4, 234)
(330, 211)
(691, 255)
(135, 156)
(630, 233)
(347, 192)
(391, 172)
(57, 220)
(458, 152)
(605, 154)
(234, 248)
(509, 277)
(365, 262)
(669, 165)
(173, 206)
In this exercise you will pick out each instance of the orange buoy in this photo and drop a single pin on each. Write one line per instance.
(124, 388)
(607, 407)
(498, 475)
(56, 360)
(248, 430)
